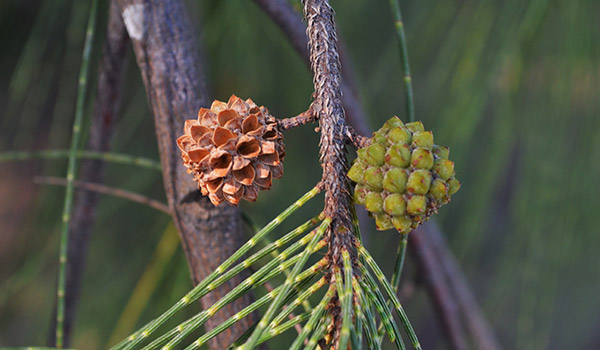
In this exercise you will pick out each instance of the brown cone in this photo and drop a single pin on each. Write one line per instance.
(233, 149)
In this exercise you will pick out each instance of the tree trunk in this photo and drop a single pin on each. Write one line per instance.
(167, 55)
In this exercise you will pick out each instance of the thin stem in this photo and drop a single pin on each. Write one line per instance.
(397, 269)
(303, 118)
(71, 172)
(318, 334)
(363, 310)
(391, 295)
(399, 262)
(317, 314)
(199, 290)
(115, 192)
(297, 302)
(344, 287)
(276, 304)
(408, 90)
(118, 158)
(374, 294)
(356, 139)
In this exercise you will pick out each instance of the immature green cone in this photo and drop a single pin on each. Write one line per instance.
(402, 178)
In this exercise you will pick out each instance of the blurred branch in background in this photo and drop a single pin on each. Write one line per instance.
(482, 334)
(167, 55)
(86, 186)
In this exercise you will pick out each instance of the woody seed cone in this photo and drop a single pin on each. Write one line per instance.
(233, 149)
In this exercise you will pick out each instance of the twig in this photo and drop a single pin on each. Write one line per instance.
(103, 189)
(71, 171)
(301, 119)
(118, 158)
(110, 77)
(356, 139)
(167, 55)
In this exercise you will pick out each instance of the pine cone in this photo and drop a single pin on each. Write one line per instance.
(233, 149)
(402, 178)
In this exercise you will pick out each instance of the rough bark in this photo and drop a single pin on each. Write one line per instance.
(167, 56)
(327, 107)
(110, 79)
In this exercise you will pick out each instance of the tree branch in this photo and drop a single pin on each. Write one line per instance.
(327, 106)
(103, 189)
(292, 26)
(301, 119)
(167, 55)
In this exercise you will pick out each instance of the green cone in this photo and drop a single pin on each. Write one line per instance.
(401, 177)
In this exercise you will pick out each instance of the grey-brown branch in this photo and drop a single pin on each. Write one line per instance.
(327, 106)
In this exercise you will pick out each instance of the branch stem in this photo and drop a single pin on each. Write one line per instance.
(117, 158)
(71, 172)
(99, 188)
(408, 90)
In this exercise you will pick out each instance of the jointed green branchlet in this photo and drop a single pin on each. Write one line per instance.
(252, 281)
(397, 270)
(390, 293)
(297, 302)
(376, 298)
(200, 290)
(344, 287)
(317, 314)
(408, 90)
(363, 310)
(318, 333)
(276, 304)
(71, 172)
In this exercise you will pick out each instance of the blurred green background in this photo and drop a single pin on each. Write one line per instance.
(511, 86)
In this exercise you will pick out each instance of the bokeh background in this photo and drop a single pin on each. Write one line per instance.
(511, 86)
